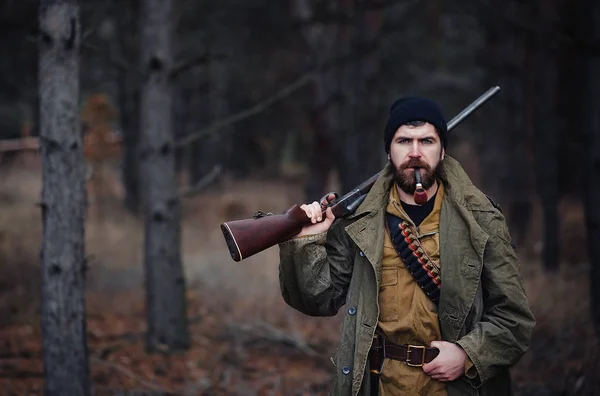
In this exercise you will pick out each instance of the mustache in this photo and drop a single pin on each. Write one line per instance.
(415, 163)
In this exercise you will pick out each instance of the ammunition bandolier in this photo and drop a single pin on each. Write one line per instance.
(421, 267)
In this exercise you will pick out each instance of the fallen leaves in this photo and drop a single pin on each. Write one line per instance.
(228, 356)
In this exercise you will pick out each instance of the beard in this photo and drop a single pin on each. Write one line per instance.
(404, 175)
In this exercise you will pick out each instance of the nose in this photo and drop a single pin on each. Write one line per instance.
(414, 150)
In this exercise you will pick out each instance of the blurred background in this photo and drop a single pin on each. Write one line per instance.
(275, 103)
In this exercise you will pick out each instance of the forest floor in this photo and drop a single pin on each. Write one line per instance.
(244, 339)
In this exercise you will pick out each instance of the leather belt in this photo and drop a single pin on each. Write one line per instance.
(411, 355)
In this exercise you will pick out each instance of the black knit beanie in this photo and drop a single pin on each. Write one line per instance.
(408, 109)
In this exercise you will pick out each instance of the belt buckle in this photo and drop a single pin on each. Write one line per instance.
(382, 347)
(408, 363)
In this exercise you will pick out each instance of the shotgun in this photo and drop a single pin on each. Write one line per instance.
(247, 237)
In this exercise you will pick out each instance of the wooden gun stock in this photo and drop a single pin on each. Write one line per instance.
(250, 236)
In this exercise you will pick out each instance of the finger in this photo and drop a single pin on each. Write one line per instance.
(437, 374)
(434, 370)
(316, 212)
(427, 368)
(329, 214)
(328, 199)
(431, 367)
(437, 344)
(310, 211)
(307, 210)
(438, 371)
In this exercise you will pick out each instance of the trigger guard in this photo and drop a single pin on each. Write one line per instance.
(324, 199)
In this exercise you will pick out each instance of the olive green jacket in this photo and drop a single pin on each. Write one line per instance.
(483, 306)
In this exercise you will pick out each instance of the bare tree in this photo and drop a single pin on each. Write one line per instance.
(213, 100)
(165, 282)
(129, 101)
(547, 131)
(193, 114)
(63, 202)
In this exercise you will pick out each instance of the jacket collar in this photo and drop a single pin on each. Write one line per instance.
(368, 229)
(461, 197)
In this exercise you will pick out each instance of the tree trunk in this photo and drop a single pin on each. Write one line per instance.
(181, 119)
(165, 283)
(129, 101)
(219, 75)
(592, 153)
(210, 151)
(129, 98)
(547, 132)
(65, 353)
(197, 109)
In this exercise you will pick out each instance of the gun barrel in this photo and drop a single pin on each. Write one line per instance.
(473, 106)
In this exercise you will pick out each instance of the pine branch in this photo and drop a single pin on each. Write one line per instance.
(202, 183)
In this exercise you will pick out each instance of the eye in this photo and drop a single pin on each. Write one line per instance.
(427, 141)
(403, 140)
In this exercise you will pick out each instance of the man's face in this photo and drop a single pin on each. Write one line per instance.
(415, 147)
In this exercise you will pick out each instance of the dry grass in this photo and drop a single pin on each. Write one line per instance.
(562, 358)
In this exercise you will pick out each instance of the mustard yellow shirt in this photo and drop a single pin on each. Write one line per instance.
(407, 315)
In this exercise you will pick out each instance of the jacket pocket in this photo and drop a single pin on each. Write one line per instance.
(388, 295)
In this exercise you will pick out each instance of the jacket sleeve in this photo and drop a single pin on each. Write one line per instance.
(315, 271)
(504, 333)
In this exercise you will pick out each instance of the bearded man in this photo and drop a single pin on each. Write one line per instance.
(434, 299)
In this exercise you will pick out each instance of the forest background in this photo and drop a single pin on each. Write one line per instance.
(274, 104)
